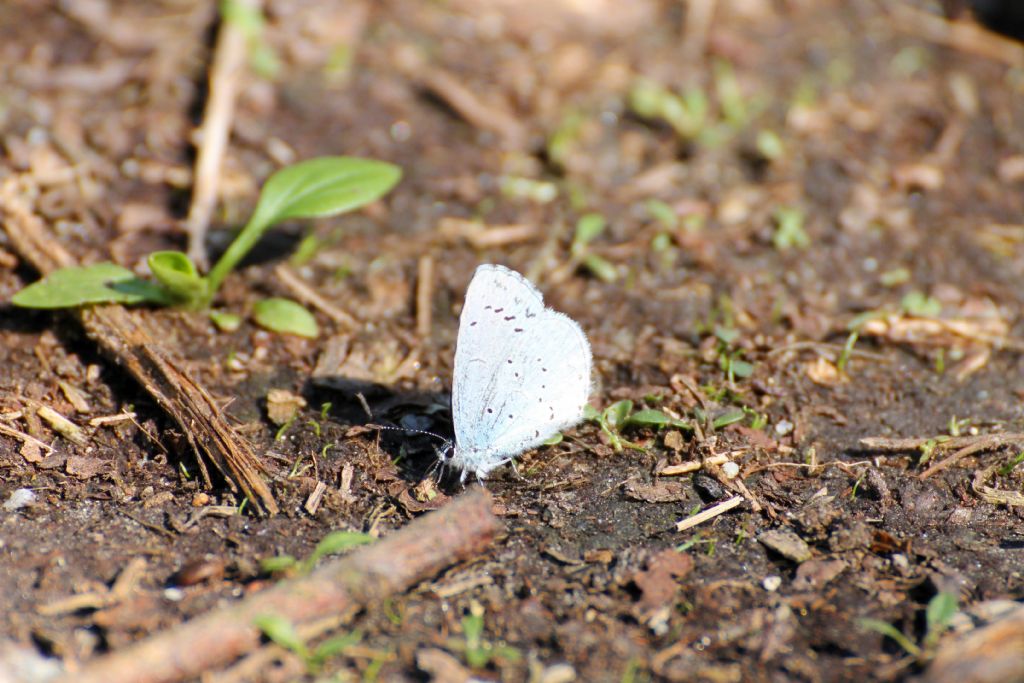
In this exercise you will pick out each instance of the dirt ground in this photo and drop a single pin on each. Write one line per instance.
(812, 257)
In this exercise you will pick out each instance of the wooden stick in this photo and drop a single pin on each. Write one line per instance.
(456, 532)
(710, 513)
(994, 652)
(132, 342)
(982, 443)
(694, 465)
(225, 74)
(959, 35)
(309, 296)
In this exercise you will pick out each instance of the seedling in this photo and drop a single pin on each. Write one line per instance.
(283, 632)
(919, 304)
(769, 145)
(333, 543)
(537, 191)
(938, 614)
(564, 139)
(477, 651)
(619, 415)
(844, 356)
(588, 228)
(686, 113)
(324, 186)
(730, 95)
(729, 357)
(1011, 465)
(789, 229)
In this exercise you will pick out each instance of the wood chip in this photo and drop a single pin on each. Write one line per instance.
(313, 502)
(710, 513)
(63, 426)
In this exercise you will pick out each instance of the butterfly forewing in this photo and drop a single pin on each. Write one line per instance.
(522, 371)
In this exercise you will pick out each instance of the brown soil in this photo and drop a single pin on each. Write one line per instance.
(906, 158)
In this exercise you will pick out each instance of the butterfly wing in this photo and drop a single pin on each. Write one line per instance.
(522, 371)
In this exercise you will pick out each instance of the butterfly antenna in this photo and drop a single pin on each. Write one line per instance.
(410, 430)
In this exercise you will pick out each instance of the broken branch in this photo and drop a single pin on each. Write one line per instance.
(427, 545)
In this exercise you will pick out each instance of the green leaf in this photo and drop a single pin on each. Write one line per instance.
(339, 541)
(729, 418)
(600, 267)
(588, 227)
(616, 415)
(79, 285)
(663, 213)
(591, 414)
(553, 440)
(323, 186)
(178, 274)
(225, 321)
(921, 305)
(741, 368)
(282, 632)
(656, 418)
(285, 316)
(940, 611)
(335, 646)
(789, 230)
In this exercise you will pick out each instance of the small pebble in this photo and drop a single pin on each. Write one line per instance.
(771, 583)
(783, 427)
(174, 594)
(730, 469)
(707, 487)
(19, 498)
(787, 544)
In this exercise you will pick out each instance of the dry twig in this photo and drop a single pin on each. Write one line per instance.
(710, 513)
(964, 445)
(959, 35)
(309, 296)
(225, 74)
(132, 342)
(454, 533)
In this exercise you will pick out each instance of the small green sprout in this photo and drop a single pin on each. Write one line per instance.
(283, 633)
(844, 356)
(921, 305)
(895, 277)
(226, 321)
(537, 191)
(565, 137)
(687, 114)
(789, 229)
(730, 95)
(319, 187)
(1011, 465)
(588, 228)
(731, 417)
(729, 357)
(769, 145)
(909, 61)
(332, 544)
(619, 415)
(477, 651)
(938, 615)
